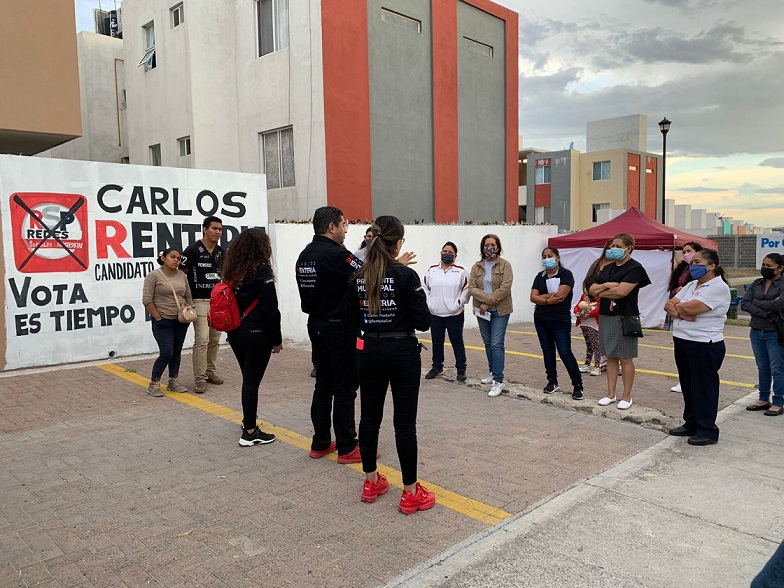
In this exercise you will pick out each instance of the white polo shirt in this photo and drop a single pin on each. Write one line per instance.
(707, 327)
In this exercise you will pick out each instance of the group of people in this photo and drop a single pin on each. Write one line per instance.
(364, 309)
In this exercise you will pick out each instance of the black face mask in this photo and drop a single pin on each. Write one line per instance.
(768, 273)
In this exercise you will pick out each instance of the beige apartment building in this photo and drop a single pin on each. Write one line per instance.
(39, 76)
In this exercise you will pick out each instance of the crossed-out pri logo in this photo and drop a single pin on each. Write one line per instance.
(49, 232)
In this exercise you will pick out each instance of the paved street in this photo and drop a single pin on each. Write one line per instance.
(104, 485)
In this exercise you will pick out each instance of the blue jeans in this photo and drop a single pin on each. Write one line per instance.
(770, 364)
(170, 336)
(772, 574)
(439, 325)
(557, 335)
(493, 335)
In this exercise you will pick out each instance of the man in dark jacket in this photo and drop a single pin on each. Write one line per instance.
(323, 271)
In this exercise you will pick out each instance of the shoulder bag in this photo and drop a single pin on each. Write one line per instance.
(186, 313)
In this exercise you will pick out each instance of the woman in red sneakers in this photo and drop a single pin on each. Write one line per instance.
(391, 304)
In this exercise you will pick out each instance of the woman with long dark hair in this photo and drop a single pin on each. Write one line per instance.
(551, 292)
(247, 267)
(699, 311)
(763, 297)
(164, 289)
(391, 304)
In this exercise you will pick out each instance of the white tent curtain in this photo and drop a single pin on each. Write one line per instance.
(652, 298)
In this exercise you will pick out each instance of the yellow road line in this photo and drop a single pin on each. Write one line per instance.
(636, 369)
(460, 504)
(577, 338)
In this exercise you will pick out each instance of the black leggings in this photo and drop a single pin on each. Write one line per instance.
(252, 350)
(382, 363)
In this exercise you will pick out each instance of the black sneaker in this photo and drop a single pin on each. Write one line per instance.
(258, 436)
(461, 377)
(551, 387)
(313, 372)
(578, 392)
(433, 373)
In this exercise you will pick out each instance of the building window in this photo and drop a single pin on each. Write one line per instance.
(148, 59)
(401, 20)
(632, 168)
(648, 170)
(542, 175)
(177, 15)
(597, 208)
(184, 145)
(601, 170)
(477, 47)
(542, 215)
(272, 25)
(278, 150)
(155, 154)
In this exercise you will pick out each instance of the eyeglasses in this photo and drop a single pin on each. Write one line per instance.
(403, 240)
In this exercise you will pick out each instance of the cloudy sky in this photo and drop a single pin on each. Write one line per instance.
(713, 67)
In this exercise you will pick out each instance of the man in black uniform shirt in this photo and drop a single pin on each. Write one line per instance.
(323, 271)
(202, 261)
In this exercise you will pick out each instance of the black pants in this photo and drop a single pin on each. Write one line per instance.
(557, 335)
(698, 372)
(335, 393)
(169, 335)
(385, 362)
(252, 350)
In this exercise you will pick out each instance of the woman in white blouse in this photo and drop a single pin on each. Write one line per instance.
(699, 312)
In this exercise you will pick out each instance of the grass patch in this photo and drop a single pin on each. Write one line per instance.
(131, 371)
(737, 322)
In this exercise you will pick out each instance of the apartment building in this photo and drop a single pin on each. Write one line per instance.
(39, 93)
(378, 107)
(570, 188)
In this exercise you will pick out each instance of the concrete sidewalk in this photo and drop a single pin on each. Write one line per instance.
(672, 515)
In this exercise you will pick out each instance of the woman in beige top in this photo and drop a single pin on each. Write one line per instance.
(490, 284)
(169, 332)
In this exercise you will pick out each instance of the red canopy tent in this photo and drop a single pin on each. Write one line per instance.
(647, 233)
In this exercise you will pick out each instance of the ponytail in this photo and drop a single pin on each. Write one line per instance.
(387, 231)
(712, 257)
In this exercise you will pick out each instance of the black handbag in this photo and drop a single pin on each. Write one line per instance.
(631, 326)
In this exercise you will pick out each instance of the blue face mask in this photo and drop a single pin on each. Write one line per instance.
(697, 271)
(549, 263)
(447, 258)
(615, 253)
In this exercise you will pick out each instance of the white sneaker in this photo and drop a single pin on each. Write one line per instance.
(623, 405)
(487, 380)
(606, 401)
(584, 368)
(676, 388)
(596, 371)
(495, 389)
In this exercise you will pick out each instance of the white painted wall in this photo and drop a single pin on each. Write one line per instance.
(101, 79)
(698, 218)
(623, 132)
(522, 247)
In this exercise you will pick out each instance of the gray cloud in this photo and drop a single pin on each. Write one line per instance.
(702, 189)
(772, 162)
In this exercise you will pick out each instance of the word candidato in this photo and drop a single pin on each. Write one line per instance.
(71, 319)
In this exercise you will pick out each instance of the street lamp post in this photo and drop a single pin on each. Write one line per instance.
(664, 127)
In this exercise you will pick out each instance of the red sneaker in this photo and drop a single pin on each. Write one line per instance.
(354, 456)
(421, 500)
(372, 490)
(322, 452)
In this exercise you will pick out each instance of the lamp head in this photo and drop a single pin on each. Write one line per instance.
(664, 125)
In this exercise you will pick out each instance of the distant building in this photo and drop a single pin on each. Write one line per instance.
(394, 107)
(570, 188)
(103, 104)
(39, 79)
